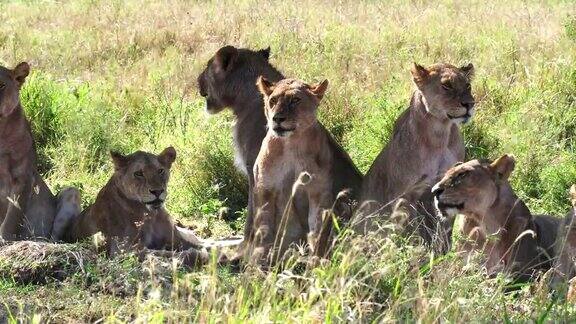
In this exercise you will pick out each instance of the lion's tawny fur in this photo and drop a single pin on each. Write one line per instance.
(500, 223)
(27, 207)
(296, 143)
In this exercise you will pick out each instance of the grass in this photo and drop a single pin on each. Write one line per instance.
(121, 75)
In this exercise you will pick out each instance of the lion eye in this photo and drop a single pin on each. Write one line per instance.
(295, 101)
(468, 87)
(457, 179)
(273, 101)
(460, 177)
(161, 171)
(2, 86)
(446, 87)
(139, 174)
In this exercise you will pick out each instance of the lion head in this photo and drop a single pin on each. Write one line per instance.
(10, 83)
(473, 187)
(290, 105)
(225, 76)
(143, 177)
(446, 90)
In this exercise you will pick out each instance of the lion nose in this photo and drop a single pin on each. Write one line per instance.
(437, 190)
(278, 119)
(157, 193)
(468, 105)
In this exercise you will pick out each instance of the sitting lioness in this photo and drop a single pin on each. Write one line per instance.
(27, 207)
(129, 210)
(425, 142)
(565, 265)
(511, 238)
(296, 143)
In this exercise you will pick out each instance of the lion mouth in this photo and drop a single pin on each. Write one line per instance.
(155, 204)
(281, 131)
(465, 118)
(445, 205)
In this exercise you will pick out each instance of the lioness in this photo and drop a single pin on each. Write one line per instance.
(229, 80)
(426, 138)
(511, 238)
(129, 210)
(27, 207)
(295, 143)
(564, 267)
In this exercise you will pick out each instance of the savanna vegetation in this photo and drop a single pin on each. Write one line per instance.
(122, 74)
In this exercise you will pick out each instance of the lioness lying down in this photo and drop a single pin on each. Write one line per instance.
(130, 213)
(27, 207)
(295, 143)
(511, 238)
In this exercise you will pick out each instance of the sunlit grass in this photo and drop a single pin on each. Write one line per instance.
(121, 75)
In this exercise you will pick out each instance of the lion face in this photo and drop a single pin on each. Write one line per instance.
(290, 105)
(471, 188)
(10, 83)
(143, 177)
(446, 90)
(219, 81)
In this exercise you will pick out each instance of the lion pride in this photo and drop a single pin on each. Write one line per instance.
(27, 207)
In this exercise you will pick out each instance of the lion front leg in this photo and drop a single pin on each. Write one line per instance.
(319, 200)
(14, 221)
(191, 258)
(249, 226)
(264, 224)
(67, 212)
(564, 268)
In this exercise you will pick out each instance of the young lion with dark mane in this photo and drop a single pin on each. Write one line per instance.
(129, 210)
(229, 80)
(27, 207)
(296, 143)
(511, 238)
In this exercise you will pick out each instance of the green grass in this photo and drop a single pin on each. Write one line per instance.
(121, 75)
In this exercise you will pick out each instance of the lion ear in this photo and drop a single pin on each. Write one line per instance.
(226, 57)
(319, 89)
(20, 73)
(419, 73)
(468, 70)
(503, 166)
(264, 86)
(120, 160)
(265, 52)
(167, 157)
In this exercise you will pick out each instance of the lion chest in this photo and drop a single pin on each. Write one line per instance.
(155, 232)
(447, 160)
(280, 163)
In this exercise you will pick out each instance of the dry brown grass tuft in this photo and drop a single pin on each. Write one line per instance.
(29, 262)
